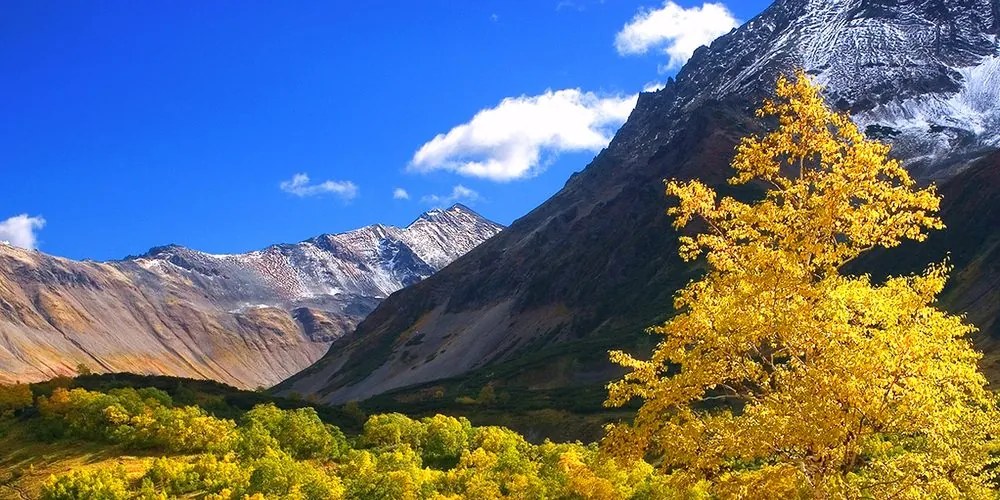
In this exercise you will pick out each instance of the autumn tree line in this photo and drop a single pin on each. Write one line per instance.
(780, 376)
(275, 453)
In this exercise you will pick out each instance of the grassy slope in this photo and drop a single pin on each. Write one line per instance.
(26, 463)
(535, 394)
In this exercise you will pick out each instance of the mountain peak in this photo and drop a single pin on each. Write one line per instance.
(863, 50)
(458, 207)
(434, 215)
(372, 261)
(598, 260)
(163, 248)
(922, 72)
(247, 319)
(451, 214)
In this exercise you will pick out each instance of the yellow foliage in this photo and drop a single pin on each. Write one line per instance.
(14, 397)
(583, 482)
(276, 453)
(783, 377)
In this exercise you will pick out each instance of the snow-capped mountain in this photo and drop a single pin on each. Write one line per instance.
(920, 73)
(371, 262)
(248, 319)
(536, 308)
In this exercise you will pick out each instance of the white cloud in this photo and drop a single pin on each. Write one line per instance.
(515, 139)
(300, 186)
(400, 194)
(458, 193)
(20, 231)
(675, 30)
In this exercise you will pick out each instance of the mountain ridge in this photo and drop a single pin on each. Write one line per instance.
(595, 264)
(246, 319)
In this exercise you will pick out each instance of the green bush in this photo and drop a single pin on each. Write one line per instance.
(278, 475)
(443, 439)
(298, 432)
(100, 484)
(204, 474)
(396, 473)
(137, 419)
(391, 430)
(253, 440)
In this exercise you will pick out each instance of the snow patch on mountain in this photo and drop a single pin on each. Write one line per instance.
(329, 270)
(922, 74)
(936, 124)
(974, 108)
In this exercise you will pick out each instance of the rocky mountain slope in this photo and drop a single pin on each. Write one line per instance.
(248, 319)
(534, 310)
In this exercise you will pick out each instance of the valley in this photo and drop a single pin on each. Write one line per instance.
(778, 278)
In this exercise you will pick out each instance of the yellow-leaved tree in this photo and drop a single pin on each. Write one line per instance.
(782, 376)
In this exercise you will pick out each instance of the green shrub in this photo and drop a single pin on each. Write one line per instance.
(204, 474)
(278, 475)
(298, 432)
(137, 419)
(99, 484)
(391, 430)
(443, 440)
(396, 473)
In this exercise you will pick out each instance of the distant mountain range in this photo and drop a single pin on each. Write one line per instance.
(248, 319)
(534, 311)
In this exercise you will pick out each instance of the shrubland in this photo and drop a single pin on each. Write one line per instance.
(275, 453)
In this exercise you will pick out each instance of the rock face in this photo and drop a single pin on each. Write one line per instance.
(537, 307)
(248, 320)
(924, 74)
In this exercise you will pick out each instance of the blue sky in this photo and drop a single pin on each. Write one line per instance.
(228, 126)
